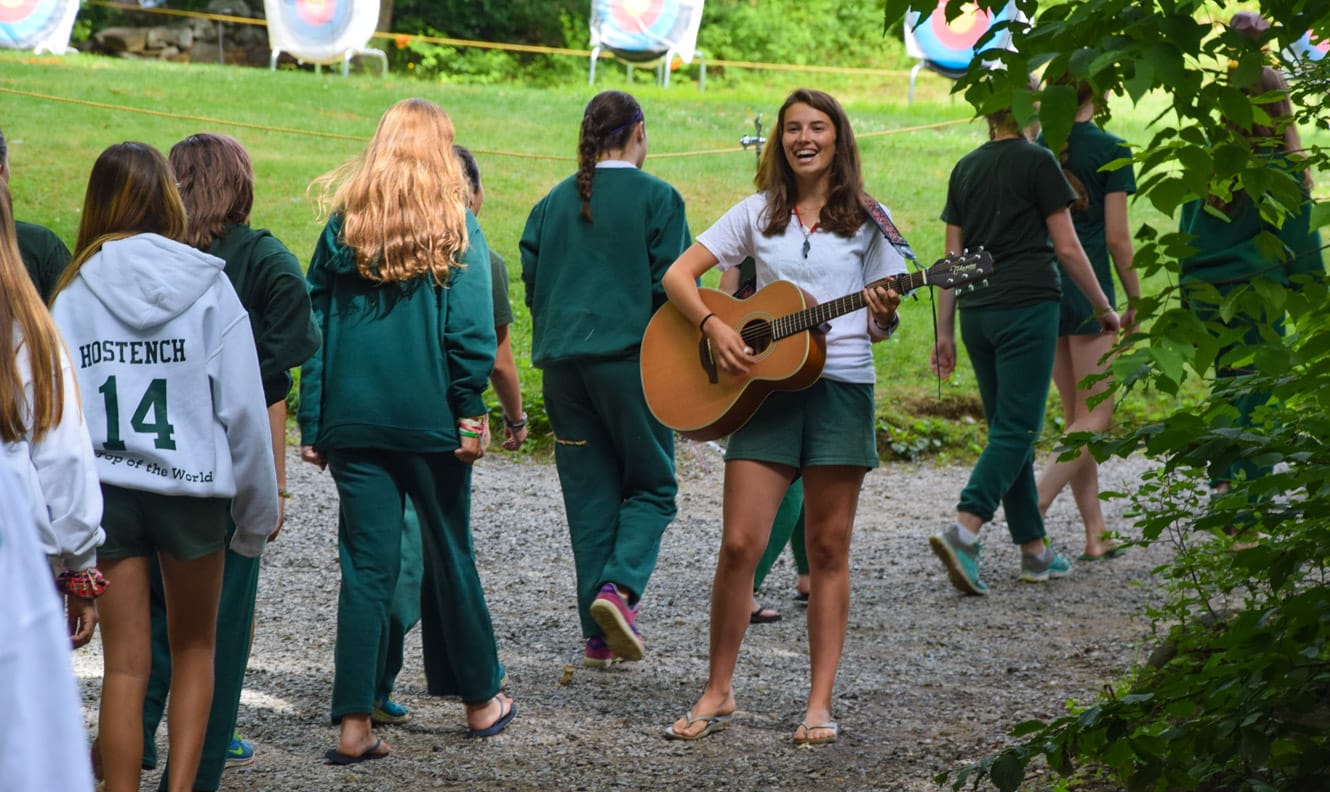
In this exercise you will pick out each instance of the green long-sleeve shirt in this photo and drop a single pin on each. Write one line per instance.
(268, 279)
(43, 253)
(592, 287)
(400, 362)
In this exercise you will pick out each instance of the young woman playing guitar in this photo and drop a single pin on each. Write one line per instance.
(807, 224)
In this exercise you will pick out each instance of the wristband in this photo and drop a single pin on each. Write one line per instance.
(515, 425)
(889, 326)
(281, 493)
(84, 584)
(468, 433)
(702, 324)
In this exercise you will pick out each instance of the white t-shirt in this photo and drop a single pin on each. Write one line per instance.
(835, 267)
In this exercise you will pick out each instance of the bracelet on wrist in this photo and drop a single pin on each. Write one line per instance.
(468, 433)
(283, 494)
(890, 325)
(515, 425)
(84, 584)
(702, 324)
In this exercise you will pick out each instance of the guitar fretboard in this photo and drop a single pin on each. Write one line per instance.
(808, 318)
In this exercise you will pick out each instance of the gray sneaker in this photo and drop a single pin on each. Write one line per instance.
(960, 559)
(1033, 570)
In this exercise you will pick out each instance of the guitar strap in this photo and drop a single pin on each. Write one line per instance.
(883, 221)
(897, 240)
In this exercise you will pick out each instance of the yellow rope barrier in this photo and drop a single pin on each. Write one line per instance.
(363, 138)
(404, 39)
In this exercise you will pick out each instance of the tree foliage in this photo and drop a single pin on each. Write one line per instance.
(1239, 697)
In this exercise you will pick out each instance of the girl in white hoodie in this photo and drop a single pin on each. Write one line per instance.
(164, 355)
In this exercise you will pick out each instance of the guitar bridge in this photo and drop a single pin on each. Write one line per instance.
(707, 359)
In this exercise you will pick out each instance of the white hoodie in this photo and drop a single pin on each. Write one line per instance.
(170, 380)
(60, 474)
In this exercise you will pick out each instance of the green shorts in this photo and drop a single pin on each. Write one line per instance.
(139, 523)
(831, 423)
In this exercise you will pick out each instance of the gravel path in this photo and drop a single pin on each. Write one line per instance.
(929, 681)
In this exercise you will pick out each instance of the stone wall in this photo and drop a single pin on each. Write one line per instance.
(187, 39)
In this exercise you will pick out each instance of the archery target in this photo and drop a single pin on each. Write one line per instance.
(644, 29)
(1309, 47)
(36, 24)
(952, 45)
(311, 24)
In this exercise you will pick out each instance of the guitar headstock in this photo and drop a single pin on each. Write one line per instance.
(964, 271)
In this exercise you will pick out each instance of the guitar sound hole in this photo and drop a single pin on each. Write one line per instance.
(757, 334)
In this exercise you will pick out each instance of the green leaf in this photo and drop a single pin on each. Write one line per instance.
(1320, 214)
(1008, 771)
(1057, 113)
(1235, 106)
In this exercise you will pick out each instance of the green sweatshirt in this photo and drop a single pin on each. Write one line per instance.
(272, 288)
(1230, 248)
(400, 362)
(592, 287)
(43, 254)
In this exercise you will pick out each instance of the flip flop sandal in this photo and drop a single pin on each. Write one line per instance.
(334, 757)
(499, 725)
(830, 726)
(763, 615)
(714, 723)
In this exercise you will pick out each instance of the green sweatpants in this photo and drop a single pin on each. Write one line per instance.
(787, 527)
(373, 486)
(616, 469)
(405, 610)
(235, 627)
(1011, 351)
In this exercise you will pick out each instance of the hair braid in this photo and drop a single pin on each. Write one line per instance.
(606, 125)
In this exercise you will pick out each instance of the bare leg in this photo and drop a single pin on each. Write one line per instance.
(1084, 354)
(753, 491)
(126, 661)
(831, 495)
(192, 589)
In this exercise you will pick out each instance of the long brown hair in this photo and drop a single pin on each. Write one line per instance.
(607, 124)
(844, 211)
(131, 190)
(403, 200)
(216, 182)
(25, 320)
(1085, 94)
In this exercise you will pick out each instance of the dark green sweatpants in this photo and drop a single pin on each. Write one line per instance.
(616, 469)
(373, 486)
(235, 628)
(1011, 351)
(405, 611)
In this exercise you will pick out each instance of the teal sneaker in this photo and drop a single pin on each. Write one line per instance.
(1036, 570)
(388, 711)
(960, 559)
(240, 753)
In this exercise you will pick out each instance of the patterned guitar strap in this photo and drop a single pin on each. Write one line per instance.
(897, 240)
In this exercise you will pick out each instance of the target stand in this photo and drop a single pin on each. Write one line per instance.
(648, 33)
(323, 31)
(41, 26)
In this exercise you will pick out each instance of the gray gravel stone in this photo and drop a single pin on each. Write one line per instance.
(930, 679)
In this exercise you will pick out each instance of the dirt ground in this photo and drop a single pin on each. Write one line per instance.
(930, 679)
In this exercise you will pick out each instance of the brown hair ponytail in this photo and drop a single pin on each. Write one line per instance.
(606, 125)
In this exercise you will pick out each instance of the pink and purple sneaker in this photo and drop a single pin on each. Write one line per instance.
(619, 623)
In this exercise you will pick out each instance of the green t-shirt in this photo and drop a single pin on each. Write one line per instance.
(999, 195)
(1089, 149)
(503, 309)
(268, 280)
(43, 254)
(592, 287)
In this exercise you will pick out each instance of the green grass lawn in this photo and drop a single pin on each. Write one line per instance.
(298, 125)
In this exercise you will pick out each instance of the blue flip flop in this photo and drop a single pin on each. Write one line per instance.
(498, 725)
(334, 757)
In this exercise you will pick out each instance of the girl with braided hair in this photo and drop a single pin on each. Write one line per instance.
(593, 253)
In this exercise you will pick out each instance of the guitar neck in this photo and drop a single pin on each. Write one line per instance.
(799, 321)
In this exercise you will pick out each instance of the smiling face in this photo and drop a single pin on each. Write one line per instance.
(808, 137)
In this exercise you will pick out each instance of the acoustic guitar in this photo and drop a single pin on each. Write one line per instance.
(689, 392)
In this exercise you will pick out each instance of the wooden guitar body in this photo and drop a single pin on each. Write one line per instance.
(689, 392)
